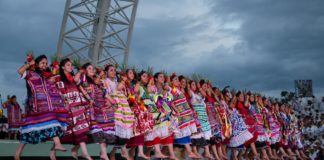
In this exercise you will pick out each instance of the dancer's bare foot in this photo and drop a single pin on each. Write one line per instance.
(292, 154)
(224, 157)
(160, 155)
(60, 148)
(74, 152)
(216, 157)
(198, 156)
(208, 156)
(192, 155)
(87, 157)
(173, 157)
(104, 157)
(285, 155)
(142, 155)
(265, 157)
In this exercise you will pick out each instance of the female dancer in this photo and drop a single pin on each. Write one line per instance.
(223, 111)
(143, 118)
(280, 143)
(240, 133)
(102, 113)
(162, 99)
(273, 126)
(255, 108)
(187, 125)
(123, 115)
(78, 109)
(204, 130)
(14, 116)
(45, 112)
(153, 138)
(240, 105)
(210, 100)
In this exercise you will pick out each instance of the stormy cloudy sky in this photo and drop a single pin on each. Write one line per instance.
(255, 44)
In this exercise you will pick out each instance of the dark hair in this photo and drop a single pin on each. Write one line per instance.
(140, 75)
(156, 75)
(37, 61)
(190, 82)
(13, 96)
(40, 58)
(202, 82)
(181, 77)
(108, 66)
(61, 71)
(173, 76)
(135, 75)
(238, 93)
(85, 66)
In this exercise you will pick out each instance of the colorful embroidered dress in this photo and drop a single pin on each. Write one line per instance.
(143, 118)
(225, 122)
(213, 117)
(284, 121)
(249, 121)
(187, 125)
(240, 132)
(123, 116)
(274, 126)
(45, 111)
(14, 117)
(161, 128)
(260, 125)
(163, 102)
(78, 113)
(102, 115)
(199, 106)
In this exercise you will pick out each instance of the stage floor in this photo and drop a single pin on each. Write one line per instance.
(41, 151)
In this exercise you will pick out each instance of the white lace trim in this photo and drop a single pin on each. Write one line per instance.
(160, 132)
(123, 132)
(187, 131)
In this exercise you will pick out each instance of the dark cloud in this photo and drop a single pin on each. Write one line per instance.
(27, 26)
(259, 45)
(282, 41)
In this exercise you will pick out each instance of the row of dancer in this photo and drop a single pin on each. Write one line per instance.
(129, 111)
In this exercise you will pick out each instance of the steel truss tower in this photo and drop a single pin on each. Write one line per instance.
(97, 31)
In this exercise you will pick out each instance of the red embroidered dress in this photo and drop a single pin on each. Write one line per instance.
(79, 115)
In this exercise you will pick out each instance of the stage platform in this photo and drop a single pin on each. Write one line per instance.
(41, 151)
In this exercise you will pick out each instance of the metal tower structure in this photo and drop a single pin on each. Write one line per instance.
(97, 31)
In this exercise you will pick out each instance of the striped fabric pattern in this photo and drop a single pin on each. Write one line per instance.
(186, 121)
(262, 136)
(14, 117)
(45, 114)
(274, 127)
(123, 117)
